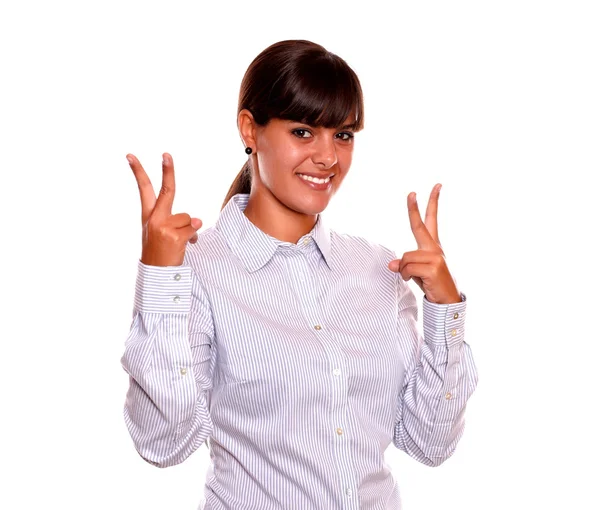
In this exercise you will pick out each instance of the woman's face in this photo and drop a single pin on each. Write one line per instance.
(287, 152)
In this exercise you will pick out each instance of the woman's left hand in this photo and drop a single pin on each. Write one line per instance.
(427, 265)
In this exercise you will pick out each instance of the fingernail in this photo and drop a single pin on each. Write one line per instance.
(165, 160)
(130, 159)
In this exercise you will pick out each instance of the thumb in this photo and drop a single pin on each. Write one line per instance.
(394, 265)
(196, 223)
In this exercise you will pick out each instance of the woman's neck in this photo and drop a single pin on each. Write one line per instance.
(267, 213)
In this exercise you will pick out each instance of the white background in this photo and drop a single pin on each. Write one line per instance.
(498, 101)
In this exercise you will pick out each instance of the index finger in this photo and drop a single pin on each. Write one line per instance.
(422, 235)
(147, 196)
(164, 202)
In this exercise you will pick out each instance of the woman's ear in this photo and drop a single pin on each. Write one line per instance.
(247, 128)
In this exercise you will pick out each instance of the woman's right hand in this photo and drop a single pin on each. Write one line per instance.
(164, 235)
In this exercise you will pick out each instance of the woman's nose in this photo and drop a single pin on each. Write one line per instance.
(324, 154)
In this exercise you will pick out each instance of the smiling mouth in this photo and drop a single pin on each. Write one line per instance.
(316, 180)
(315, 183)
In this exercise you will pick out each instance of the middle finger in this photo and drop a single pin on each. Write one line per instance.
(431, 213)
(147, 196)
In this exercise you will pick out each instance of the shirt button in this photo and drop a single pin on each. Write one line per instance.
(177, 277)
(317, 327)
(456, 315)
(306, 240)
(183, 371)
(448, 396)
(340, 432)
(348, 492)
(176, 299)
(453, 332)
(336, 371)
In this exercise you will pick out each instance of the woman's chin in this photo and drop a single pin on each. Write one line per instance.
(310, 204)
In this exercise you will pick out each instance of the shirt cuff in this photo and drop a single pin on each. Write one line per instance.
(444, 324)
(163, 289)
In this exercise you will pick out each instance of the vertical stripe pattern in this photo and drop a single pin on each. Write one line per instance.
(298, 365)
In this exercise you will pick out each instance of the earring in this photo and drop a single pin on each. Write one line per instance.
(248, 150)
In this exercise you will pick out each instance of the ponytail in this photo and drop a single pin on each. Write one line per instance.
(241, 183)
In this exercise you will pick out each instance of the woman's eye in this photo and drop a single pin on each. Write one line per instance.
(345, 136)
(301, 133)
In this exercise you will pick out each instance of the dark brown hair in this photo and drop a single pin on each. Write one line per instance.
(301, 81)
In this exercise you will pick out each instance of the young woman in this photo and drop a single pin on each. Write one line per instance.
(293, 350)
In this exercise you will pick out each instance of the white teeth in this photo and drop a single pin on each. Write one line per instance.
(314, 179)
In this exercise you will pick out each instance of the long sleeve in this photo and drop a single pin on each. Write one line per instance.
(439, 379)
(168, 359)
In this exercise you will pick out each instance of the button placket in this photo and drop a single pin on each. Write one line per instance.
(304, 277)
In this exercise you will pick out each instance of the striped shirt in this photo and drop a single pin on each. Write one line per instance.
(298, 364)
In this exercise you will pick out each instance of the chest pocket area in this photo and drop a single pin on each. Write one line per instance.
(266, 349)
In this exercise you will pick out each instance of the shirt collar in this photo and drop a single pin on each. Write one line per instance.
(253, 246)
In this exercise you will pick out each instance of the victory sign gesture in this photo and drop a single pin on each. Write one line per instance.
(164, 235)
(427, 265)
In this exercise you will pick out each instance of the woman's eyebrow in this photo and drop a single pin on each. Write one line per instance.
(345, 126)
